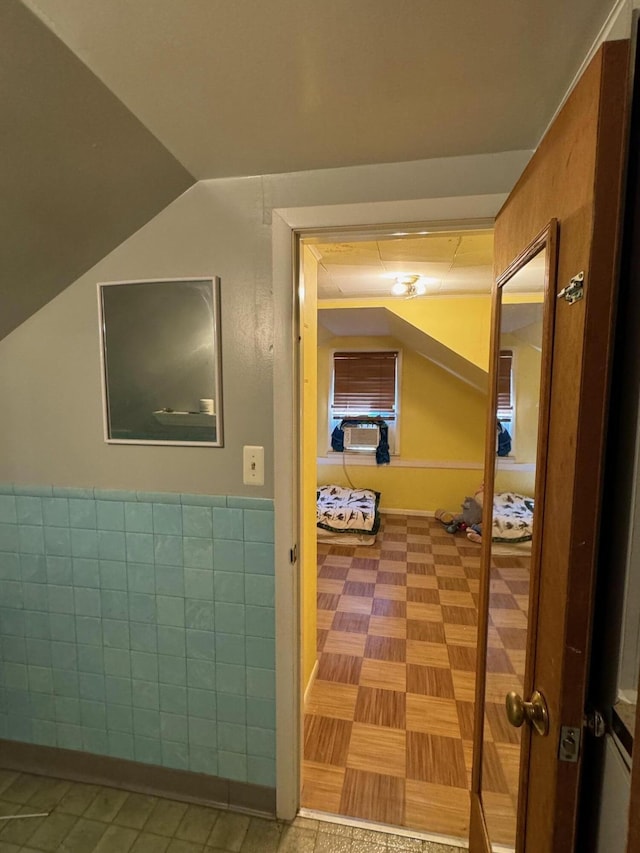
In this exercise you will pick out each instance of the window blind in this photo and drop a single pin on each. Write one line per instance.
(364, 382)
(505, 364)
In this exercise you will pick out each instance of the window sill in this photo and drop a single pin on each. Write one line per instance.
(397, 461)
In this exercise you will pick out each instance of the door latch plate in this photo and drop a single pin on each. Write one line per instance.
(569, 748)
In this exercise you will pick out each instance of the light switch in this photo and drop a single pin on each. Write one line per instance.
(253, 465)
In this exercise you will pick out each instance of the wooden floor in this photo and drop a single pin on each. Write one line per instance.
(389, 719)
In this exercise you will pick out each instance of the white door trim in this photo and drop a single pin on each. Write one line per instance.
(285, 223)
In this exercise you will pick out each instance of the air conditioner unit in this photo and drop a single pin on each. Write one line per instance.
(365, 437)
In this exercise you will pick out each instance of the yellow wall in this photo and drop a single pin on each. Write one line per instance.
(442, 419)
(527, 364)
(521, 482)
(461, 323)
(309, 440)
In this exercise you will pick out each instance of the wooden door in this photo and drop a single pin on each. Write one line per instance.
(575, 177)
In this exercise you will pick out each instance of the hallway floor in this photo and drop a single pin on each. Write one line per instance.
(92, 819)
(389, 718)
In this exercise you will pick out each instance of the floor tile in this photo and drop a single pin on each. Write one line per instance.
(48, 794)
(229, 831)
(135, 811)
(176, 845)
(78, 798)
(6, 778)
(50, 833)
(408, 681)
(197, 824)
(106, 804)
(148, 843)
(342, 668)
(433, 758)
(165, 817)
(440, 809)
(263, 836)
(84, 836)
(329, 699)
(366, 795)
(381, 707)
(297, 840)
(374, 747)
(117, 839)
(322, 786)
(19, 831)
(388, 675)
(432, 715)
(329, 843)
(21, 789)
(326, 740)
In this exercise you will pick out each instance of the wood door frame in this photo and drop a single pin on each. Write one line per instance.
(287, 223)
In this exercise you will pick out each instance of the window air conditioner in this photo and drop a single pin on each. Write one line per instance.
(365, 437)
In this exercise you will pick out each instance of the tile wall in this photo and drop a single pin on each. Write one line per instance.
(140, 626)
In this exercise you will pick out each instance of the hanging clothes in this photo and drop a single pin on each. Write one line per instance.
(504, 440)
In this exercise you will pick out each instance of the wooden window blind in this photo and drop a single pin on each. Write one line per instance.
(505, 365)
(364, 382)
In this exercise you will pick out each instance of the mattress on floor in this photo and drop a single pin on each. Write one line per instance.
(351, 512)
(512, 518)
(351, 539)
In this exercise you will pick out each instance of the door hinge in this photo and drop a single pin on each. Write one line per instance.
(293, 555)
(595, 723)
(574, 291)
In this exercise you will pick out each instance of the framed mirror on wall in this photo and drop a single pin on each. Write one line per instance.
(161, 362)
(524, 300)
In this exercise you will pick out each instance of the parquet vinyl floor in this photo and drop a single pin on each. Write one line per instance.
(389, 718)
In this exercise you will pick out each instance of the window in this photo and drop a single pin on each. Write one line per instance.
(365, 384)
(506, 397)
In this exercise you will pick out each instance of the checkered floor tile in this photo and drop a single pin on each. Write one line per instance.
(389, 719)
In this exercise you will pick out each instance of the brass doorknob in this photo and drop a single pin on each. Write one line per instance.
(534, 712)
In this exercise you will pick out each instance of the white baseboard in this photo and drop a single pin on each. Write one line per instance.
(426, 513)
(312, 678)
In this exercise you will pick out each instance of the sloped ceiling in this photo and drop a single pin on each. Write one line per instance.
(78, 173)
(242, 87)
(379, 322)
(111, 107)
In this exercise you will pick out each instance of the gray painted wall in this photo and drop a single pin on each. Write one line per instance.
(79, 173)
(51, 415)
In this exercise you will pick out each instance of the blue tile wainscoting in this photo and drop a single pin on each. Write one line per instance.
(140, 626)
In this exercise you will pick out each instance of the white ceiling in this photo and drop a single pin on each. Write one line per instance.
(447, 262)
(240, 87)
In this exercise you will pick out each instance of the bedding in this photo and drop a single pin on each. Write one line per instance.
(348, 511)
(512, 518)
(349, 539)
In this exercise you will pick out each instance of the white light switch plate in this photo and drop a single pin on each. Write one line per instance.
(253, 465)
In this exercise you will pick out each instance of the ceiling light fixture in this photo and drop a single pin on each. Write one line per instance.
(408, 286)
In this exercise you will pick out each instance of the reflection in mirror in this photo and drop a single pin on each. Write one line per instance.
(161, 362)
(513, 500)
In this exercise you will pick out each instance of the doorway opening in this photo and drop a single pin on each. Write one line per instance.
(389, 612)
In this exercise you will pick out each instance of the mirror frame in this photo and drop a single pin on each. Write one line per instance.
(546, 239)
(214, 281)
